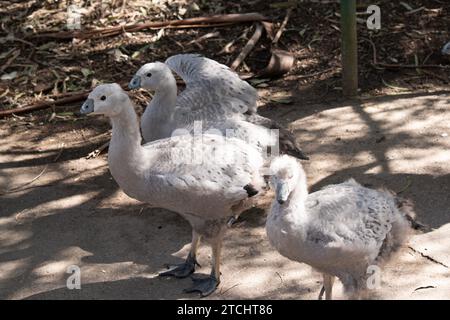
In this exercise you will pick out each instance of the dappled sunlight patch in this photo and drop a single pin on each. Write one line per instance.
(73, 253)
(117, 199)
(12, 178)
(94, 273)
(67, 202)
(363, 155)
(51, 268)
(411, 276)
(57, 268)
(203, 252)
(334, 122)
(288, 280)
(13, 237)
(252, 269)
(13, 269)
(435, 244)
(416, 160)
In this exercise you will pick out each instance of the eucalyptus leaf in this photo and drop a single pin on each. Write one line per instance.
(255, 82)
(86, 72)
(9, 76)
(282, 100)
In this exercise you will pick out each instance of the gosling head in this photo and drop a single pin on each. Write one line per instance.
(150, 76)
(107, 99)
(446, 49)
(286, 174)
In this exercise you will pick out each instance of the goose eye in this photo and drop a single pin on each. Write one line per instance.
(149, 74)
(103, 98)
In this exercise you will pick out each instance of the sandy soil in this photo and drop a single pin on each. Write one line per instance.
(75, 213)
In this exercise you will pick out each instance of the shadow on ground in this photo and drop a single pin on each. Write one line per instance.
(76, 215)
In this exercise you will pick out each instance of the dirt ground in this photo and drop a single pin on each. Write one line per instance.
(75, 213)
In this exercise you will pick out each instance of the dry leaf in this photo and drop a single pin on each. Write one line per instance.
(9, 76)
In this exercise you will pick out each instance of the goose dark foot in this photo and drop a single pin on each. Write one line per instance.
(181, 270)
(322, 291)
(204, 286)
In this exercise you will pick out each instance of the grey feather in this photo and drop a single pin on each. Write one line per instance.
(218, 86)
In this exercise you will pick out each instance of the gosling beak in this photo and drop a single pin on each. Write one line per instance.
(87, 107)
(135, 83)
(282, 192)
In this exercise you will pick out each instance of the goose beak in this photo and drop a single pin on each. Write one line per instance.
(446, 49)
(87, 107)
(282, 192)
(301, 155)
(135, 83)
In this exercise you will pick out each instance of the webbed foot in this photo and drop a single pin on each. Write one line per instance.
(181, 270)
(205, 286)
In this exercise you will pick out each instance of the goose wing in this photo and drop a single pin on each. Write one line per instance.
(212, 89)
(287, 142)
(350, 216)
(198, 174)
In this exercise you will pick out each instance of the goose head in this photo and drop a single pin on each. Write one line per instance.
(106, 99)
(151, 76)
(286, 173)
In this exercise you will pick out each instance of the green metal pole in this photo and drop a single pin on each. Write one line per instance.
(349, 48)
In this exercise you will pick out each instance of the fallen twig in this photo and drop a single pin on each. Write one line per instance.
(58, 100)
(406, 187)
(15, 189)
(415, 10)
(428, 257)
(59, 153)
(279, 275)
(422, 288)
(412, 66)
(10, 61)
(45, 104)
(212, 21)
(282, 27)
(248, 47)
(281, 61)
(377, 64)
(20, 187)
(203, 38)
(318, 73)
(97, 151)
(432, 74)
(232, 287)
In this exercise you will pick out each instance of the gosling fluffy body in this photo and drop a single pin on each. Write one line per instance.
(340, 230)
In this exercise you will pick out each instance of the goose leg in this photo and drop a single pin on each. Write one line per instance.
(327, 287)
(208, 285)
(186, 268)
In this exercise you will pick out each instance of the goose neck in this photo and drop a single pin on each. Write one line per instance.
(125, 130)
(293, 212)
(165, 96)
(298, 195)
